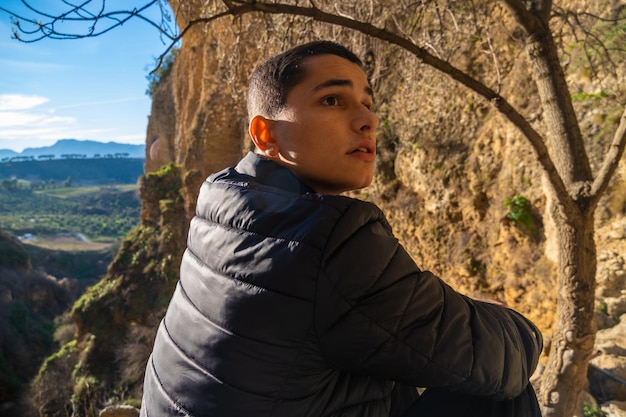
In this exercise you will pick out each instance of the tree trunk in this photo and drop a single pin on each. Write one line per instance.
(574, 335)
(572, 212)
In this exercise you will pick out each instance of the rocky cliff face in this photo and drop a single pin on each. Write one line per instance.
(197, 120)
(459, 185)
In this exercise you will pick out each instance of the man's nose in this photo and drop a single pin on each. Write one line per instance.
(366, 120)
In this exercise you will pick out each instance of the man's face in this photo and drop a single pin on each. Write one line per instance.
(326, 133)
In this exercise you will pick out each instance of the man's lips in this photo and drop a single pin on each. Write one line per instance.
(365, 146)
(366, 152)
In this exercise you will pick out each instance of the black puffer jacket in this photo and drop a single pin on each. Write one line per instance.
(296, 304)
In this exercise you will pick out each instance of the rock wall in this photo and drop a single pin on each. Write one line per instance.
(197, 120)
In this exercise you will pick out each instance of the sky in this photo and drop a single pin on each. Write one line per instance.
(86, 89)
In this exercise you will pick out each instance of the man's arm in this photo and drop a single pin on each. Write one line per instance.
(378, 313)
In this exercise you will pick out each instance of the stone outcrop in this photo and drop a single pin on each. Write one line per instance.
(607, 373)
(615, 409)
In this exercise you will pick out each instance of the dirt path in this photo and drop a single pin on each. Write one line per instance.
(67, 243)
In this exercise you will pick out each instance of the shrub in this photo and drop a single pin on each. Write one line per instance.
(519, 211)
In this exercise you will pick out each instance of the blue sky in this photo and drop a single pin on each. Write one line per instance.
(76, 89)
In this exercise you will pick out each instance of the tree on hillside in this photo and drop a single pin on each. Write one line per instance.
(438, 33)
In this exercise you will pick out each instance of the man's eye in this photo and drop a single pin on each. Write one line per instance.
(330, 101)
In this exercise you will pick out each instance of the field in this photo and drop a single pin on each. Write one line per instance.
(70, 218)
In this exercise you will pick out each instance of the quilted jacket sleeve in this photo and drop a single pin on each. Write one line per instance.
(378, 313)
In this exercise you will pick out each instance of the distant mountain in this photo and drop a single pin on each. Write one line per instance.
(89, 148)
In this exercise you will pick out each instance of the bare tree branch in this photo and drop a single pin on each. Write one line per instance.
(229, 4)
(191, 24)
(529, 22)
(611, 161)
(496, 64)
(583, 26)
(80, 13)
(565, 134)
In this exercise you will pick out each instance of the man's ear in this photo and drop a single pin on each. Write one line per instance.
(260, 132)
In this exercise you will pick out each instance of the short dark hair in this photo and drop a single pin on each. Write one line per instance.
(271, 82)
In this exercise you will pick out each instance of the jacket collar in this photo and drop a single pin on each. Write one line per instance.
(270, 173)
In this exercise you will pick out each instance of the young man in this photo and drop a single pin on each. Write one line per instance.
(296, 301)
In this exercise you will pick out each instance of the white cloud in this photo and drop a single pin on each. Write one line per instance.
(12, 102)
(31, 66)
(21, 125)
(98, 103)
(28, 137)
(13, 119)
